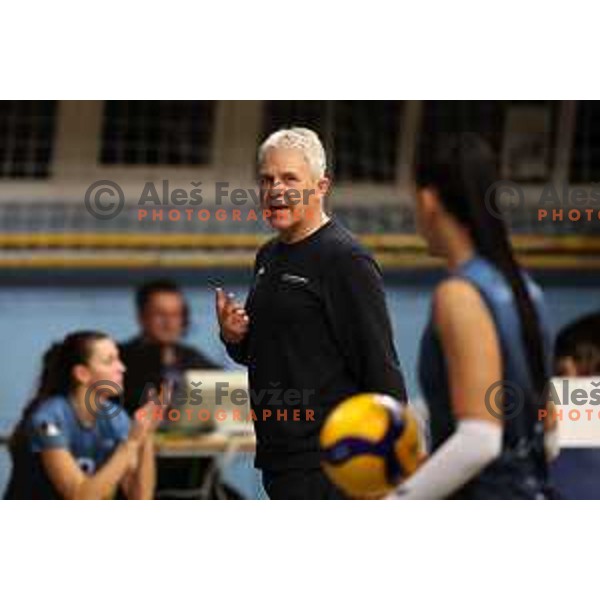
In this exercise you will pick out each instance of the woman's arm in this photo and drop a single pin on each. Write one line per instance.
(471, 348)
(474, 363)
(73, 484)
(140, 484)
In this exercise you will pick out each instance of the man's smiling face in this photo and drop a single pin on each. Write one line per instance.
(288, 189)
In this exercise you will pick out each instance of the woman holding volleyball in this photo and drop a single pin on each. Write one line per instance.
(484, 355)
(72, 441)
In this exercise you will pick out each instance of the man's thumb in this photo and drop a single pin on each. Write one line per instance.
(221, 299)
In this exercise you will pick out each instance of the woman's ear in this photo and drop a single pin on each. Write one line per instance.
(81, 374)
(426, 209)
(430, 200)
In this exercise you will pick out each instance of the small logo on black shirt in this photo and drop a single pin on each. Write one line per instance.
(294, 279)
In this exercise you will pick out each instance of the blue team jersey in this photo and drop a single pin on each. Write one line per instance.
(54, 424)
(520, 470)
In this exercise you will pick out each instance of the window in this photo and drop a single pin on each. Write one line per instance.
(361, 137)
(521, 133)
(446, 116)
(585, 156)
(26, 138)
(153, 132)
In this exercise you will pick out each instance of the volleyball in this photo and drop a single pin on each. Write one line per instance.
(369, 444)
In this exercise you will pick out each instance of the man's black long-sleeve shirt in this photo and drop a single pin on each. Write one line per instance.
(319, 332)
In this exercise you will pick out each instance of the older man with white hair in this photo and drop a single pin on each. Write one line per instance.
(315, 328)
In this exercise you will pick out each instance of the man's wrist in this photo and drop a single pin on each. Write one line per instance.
(228, 340)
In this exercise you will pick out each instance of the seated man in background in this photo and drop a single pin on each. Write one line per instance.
(158, 357)
(576, 472)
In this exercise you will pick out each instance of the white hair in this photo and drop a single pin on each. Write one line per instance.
(299, 138)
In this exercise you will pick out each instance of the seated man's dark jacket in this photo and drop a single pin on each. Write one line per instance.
(143, 362)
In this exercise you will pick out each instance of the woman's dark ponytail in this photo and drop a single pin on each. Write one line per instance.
(56, 375)
(462, 168)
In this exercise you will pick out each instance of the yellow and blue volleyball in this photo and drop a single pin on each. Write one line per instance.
(369, 444)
